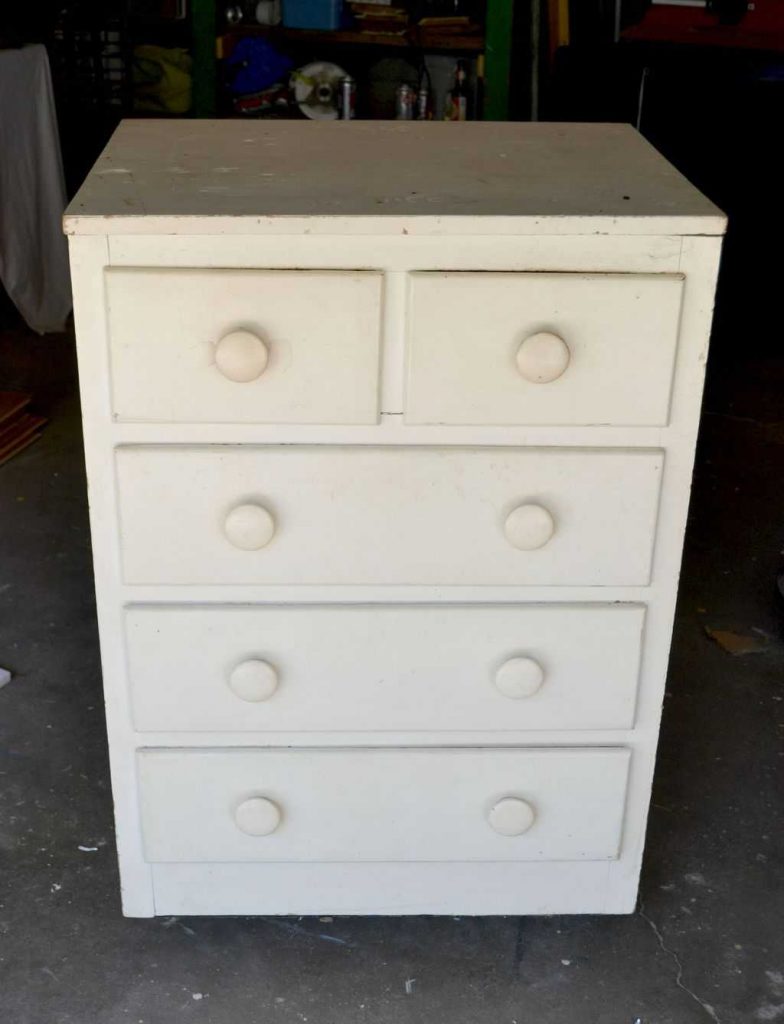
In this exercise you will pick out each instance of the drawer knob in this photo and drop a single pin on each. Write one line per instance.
(249, 527)
(241, 356)
(542, 357)
(519, 677)
(529, 527)
(257, 816)
(511, 816)
(253, 680)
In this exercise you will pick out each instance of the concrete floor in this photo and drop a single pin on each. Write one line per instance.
(707, 942)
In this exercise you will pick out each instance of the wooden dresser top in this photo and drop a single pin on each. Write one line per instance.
(385, 177)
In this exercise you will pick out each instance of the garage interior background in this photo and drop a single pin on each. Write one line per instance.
(705, 87)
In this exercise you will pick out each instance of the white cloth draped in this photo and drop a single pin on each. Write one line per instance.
(33, 249)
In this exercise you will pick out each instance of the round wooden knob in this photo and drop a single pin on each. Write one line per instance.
(519, 677)
(542, 357)
(253, 680)
(511, 816)
(257, 816)
(529, 527)
(241, 356)
(249, 527)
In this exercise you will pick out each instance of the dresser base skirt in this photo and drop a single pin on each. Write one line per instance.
(599, 887)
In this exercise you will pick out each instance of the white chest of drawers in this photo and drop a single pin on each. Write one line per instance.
(389, 433)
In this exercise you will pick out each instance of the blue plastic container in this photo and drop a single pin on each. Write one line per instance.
(318, 14)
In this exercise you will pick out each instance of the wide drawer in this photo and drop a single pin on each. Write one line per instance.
(244, 346)
(383, 668)
(308, 515)
(388, 805)
(564, 349)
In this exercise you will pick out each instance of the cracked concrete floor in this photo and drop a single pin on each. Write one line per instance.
(706, 945)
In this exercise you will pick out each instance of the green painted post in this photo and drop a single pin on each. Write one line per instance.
(203, 53)
(498, 58)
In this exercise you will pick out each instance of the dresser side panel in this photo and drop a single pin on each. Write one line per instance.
(89, 256)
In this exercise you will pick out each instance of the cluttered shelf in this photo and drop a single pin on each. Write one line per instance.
(416, 36)
(425, 59)
(356, 37)
(326, 59)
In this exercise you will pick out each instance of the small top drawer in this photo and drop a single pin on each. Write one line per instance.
(531, 348)
(244, 346)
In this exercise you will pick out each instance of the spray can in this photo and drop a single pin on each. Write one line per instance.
(423, 102)
(348, 98)
(404, 103)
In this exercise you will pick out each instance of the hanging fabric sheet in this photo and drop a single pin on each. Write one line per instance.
(33, 249)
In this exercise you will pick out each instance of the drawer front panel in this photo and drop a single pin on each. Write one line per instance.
(562, 349)
(383, 668)
(301, 515)
(244, 346)
(390, 805)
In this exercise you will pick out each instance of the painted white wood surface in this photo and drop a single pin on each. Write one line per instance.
(411, 888)
(383, 668)
(467, 338)
(382, 805)
(676, 240)
(379, 177)
(592, 253)
(473, 888)
(320, 330)
(88, 257)
(387, 515)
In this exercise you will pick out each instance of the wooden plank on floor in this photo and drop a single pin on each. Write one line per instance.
(12, 403)
(6, 454)
(15, 429)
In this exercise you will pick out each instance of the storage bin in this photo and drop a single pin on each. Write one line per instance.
(318, 14)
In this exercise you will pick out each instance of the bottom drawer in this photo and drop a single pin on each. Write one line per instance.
(382, 805)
